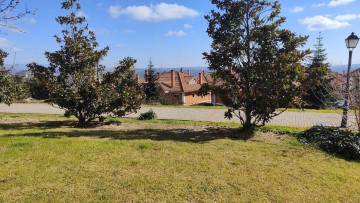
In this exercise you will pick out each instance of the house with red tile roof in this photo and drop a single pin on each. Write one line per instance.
(206, 78)
(182, 87)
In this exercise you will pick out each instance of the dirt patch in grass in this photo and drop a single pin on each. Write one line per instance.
(269, 137)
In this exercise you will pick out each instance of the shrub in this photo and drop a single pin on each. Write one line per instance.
(333, 140)
(148, 115)
(168, 100)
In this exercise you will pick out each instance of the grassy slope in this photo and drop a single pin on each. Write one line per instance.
(154, 161)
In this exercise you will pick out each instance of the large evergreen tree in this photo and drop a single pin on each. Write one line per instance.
(73, 80)
(151, 85)
(257, 63)
(319, 89)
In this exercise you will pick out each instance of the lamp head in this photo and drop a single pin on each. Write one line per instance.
(351, 41)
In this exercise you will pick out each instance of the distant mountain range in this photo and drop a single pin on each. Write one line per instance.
(22, 69)
(343, 68)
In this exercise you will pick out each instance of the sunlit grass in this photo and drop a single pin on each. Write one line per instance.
(164, 161)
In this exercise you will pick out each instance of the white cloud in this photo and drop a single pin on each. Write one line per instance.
(100, 31)
(297, 9)
(128, 31)
(30, 21)
(159, 12)
(120, 45)
(5, 42)
(16, 49)
(347, 17)
(323, 23)
(82, 14)
(179, 33)
(187, 26)
(340, 2)
(319, 4)
(115, 11)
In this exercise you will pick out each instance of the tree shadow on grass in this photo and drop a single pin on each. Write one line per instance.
(177, 134)
(36, 125)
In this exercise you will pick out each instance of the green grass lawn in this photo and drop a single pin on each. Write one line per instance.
(44, 159)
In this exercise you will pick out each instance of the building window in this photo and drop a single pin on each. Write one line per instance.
(193, 95)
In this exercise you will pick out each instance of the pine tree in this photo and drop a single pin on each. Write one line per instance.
(257, 62)
(151, 86)
(319, 90)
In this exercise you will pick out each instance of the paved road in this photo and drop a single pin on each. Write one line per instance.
(285, 119)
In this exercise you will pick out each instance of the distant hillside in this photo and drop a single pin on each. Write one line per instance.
(342, 68)
(16, 68)
(194, 71)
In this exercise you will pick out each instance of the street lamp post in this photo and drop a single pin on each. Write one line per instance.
(351, 43)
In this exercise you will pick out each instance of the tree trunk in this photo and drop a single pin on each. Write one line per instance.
(247, 123)
(81, 120)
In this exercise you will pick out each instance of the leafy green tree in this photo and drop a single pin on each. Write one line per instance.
(73, 76)
(320, 92)
(13, 87)
(7, 87)
(256, 63)
(37, 82)
(120, 92)
(151, 86)
(22, 87)
(9, 11)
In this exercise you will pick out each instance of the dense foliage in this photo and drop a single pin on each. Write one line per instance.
(7, 87)
(256, 64)
(75, 79)
(333, 140)
(150, 115)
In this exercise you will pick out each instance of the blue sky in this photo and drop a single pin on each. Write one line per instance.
(172, 32)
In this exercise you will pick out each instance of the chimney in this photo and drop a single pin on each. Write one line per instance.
(146, 75)
(200, 78)
(172, 79)
(137, 78)
(188, 72)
